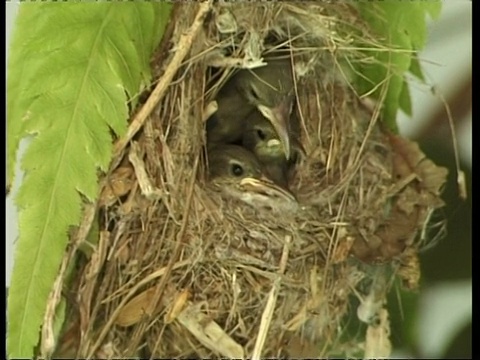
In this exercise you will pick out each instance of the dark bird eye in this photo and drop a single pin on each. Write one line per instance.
(237, 170)
(261, 134)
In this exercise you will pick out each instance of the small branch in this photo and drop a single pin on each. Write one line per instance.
(270, 307)
(146, 186)
(48, 337)
(183, 47)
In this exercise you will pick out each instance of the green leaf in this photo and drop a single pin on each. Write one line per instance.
(162, 18)
(434, 8)
(88, 246)
(401, 28)
(405, 102)
(71, 68)
(416, 69)
(59, 318)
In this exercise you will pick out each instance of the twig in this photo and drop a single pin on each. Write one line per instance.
(146, 186)
(48, 336)
(272, 299)
(183, 47)
(209, 333)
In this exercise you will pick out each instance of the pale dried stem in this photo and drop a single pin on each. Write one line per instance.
(148, 190)
(47, 339)
(270, 306)
(183, 47)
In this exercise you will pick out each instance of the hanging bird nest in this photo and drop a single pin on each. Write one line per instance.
(181, 270)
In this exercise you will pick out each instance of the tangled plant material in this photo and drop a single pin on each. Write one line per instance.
(182, 271)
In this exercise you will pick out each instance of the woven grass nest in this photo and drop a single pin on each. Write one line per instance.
(180, 270)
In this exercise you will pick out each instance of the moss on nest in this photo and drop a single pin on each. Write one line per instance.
(181, 271)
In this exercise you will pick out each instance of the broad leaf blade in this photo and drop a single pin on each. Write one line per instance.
(405, 101)
(77, 63)
(434, 8)
(402, 28)
(416, 68)
(18, 71)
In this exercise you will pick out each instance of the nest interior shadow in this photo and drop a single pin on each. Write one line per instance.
(181, 270)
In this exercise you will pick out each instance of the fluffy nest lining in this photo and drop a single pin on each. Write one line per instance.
(179, 270)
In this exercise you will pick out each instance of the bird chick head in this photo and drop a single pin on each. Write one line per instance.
(261, 138)
(239, 173)
(270, 90)
(233, 163)
(267, 86)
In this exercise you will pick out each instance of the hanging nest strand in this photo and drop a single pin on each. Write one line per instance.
(181, 271)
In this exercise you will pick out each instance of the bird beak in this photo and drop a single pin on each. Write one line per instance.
(279, 117)
(267, 188)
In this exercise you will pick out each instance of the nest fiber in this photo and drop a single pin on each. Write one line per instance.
(180, 270)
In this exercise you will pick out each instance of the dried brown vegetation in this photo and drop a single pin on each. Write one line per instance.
(181, 271)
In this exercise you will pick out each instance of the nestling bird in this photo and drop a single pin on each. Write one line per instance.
(239, 174)
(269, 89)
(261, 138)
